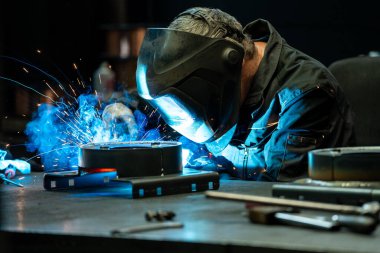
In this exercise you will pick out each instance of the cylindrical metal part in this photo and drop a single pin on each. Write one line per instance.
(133, 159)
(351, 163)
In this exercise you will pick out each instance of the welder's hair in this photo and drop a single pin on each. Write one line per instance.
(212, 23)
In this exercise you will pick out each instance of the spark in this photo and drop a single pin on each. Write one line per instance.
(80, 82)
(144, 136)
(100, 79)
(30, 88)
(267, 126)
(72, 90)
(64, 125)
(33, 67)
(142, 123)
(51, 88)
(38, 51)
(153, 112)
(96, 94)
(61, 119)
(161, 138)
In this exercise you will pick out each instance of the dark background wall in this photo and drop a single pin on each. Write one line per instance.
(70, 31)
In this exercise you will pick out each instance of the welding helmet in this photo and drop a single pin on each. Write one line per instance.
(193, 81)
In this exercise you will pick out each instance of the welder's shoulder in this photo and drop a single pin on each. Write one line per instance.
(302, 71)
(301, 75)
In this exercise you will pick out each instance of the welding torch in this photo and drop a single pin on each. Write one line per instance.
(3, 178)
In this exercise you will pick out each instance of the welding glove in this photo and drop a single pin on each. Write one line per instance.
(242, 162)
(115, 113)
(9, 167)
(202, 159)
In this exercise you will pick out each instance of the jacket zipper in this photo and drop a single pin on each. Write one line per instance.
(245, 163)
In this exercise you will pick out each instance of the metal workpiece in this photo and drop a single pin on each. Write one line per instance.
(133, 159)
(350, 163)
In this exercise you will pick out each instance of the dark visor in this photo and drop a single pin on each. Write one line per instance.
(190, 79)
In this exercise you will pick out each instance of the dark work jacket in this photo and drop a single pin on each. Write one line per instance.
(294, 105)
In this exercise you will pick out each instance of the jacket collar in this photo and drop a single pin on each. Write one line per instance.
(262, 30)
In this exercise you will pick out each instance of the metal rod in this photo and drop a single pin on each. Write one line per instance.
(369, 208)
(147, 227)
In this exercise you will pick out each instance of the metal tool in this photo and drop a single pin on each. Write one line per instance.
(360, 224)
(159, 215)
(3, 178)
(147, 227)
(371, 208)
(281, 215)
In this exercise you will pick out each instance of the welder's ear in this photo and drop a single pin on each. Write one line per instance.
(231, 56)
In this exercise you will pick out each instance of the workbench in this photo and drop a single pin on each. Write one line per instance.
(36, 220)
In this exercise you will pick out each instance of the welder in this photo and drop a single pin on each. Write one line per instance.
(257, 104)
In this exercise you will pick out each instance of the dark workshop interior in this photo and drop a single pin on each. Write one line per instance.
(46, 42)
(88, 33)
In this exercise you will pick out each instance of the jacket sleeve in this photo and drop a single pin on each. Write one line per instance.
(303, 125)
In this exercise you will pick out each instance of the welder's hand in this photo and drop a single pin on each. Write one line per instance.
(210, 163)
(117, 112)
